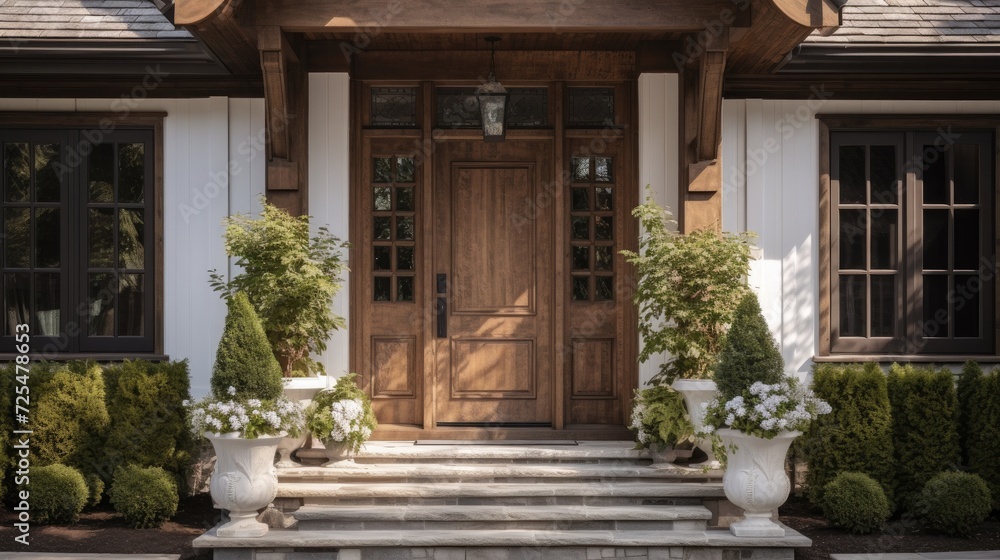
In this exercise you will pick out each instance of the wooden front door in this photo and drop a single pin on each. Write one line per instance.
(488, 296)
(493, 295)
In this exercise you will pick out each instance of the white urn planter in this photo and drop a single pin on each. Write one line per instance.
(755, 480)
(243, 482)
(338, 454)
(288, 446)
(300, 390)
(695, 393)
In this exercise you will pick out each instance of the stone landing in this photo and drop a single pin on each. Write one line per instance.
(589, 501)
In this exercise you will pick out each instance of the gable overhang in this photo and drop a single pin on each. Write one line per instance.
(703, 40)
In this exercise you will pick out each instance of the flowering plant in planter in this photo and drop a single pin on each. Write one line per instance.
(767, 410)
(245, 419)
(250, 418)
(341, 417)
(755, 419)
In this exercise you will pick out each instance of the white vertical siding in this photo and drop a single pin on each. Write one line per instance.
(206, 169)
(771, 175)
(658, 152)
(329, 181)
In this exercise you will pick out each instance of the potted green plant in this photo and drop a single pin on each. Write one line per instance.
(291, 279)
(688, 288)
(660, 423)
(342, 418)
(758, 414)
(245, 418)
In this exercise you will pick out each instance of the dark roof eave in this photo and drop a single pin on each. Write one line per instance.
(947, 58)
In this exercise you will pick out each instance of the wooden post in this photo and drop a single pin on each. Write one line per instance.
(286, 101)
(701, 138)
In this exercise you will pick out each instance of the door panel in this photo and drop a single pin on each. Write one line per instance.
(495, 363)
(600, 284)
(484, 197)
(387, 280)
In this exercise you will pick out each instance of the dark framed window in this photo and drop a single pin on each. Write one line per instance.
(911, 241)
(79, 233)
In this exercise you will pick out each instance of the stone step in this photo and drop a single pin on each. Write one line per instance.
(555, 473)
(473, 539)
(603, 452)
(567, 518)
(571, 493)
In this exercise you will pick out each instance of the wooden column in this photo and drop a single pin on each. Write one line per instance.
(286, 101)
(701, 138)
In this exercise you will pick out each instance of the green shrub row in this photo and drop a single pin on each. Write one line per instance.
(904, 428)
(979, 421)
(857, 435)
(96, 419)
(924, 427)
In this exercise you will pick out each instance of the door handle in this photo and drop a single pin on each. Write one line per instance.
(442, 306)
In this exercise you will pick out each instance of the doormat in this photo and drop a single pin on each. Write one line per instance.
(545, 442)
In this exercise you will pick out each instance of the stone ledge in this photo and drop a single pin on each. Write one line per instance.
(521, 470)
(584, 450)
(278, 538)
(501, 490)
(504, 513)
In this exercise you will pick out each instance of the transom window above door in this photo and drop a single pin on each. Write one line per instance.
(912, 246)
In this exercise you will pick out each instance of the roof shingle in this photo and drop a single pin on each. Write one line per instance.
(898, 22)
(86, 19)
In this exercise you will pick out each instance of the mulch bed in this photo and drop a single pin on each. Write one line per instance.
(899, 536)
(102, 531)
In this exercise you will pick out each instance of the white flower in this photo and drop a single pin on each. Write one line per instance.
(231, 390)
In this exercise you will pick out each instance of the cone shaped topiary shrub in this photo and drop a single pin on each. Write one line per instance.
(857, 434)
(855, 502)
(749, 353)
(244, 360)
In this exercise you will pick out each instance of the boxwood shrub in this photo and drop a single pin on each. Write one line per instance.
(96, 418)
(855, 502)
(857, 435)
(57, 494)
(69, 417)
(148, 424)
(954, 503)
(6, 424)
(924, 427)
(146, 497)
(980, 419)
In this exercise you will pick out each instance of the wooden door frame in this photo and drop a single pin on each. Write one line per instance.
(423, 139)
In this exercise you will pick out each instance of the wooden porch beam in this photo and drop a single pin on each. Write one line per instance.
(219, 26)
(285, 104)
(817, 14)
(493, 16)
(474, 66)
(701, 85)
(711, 70)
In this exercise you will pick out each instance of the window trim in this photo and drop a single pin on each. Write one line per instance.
(906, 123)
(109, 121)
